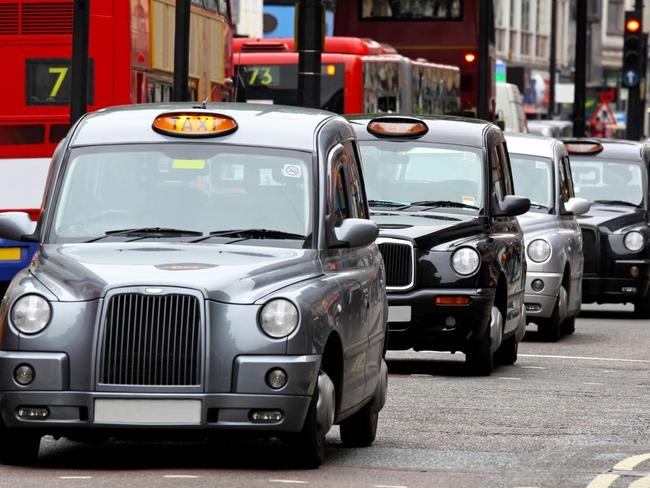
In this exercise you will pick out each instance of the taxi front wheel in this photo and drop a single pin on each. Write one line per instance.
(18, 447)
(642, 309)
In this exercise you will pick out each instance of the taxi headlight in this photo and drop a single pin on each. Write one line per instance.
(31, 314)
(278, 318)
(539, 250)
(465, 261)
(634, 241)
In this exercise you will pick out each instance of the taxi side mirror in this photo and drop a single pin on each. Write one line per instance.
(16, 225)
(577, 206)
(356, 232)
(510, 206)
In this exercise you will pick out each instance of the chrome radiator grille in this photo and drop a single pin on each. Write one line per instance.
(399, 260)
(590, 250)
(151, 340)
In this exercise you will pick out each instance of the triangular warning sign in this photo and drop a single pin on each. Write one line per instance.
(603, 116)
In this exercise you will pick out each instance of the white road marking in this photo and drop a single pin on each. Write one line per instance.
(532, 367)
(641, 483)
(389, 486)
(632, 462)
(290, 482)
(586, 358)
(603, 481)
(508, 378)
(180, 476)
(591, 383)
(75, 477)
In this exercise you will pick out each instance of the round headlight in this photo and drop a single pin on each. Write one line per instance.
(634, 241)
(539, 250)
(31, 314)
(465, 261)
(279, 318)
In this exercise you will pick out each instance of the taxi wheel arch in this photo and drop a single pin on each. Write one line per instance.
(332, 364)
(569, 323)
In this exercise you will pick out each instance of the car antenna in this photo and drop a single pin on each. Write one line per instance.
(237, 79)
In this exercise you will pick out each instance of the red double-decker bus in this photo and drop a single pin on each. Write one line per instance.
(442, 31)
(131, 61)
(358, 76)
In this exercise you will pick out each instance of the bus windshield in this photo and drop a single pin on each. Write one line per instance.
(402, 173)
(412, 9)
(278, 84)
(602, 181)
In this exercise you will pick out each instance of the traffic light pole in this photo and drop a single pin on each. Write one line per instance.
(309, 37)
(552, 69)
(484, 72)
(79, 75)
(635, 53)
(182, 51)
(580, 79)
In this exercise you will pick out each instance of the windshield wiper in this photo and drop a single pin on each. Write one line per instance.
(387, 203)
(441, 203)
(257, 234)
(148, 232)
(617, 202)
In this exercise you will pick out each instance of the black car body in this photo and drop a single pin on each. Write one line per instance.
(440, 189)
(613, 175)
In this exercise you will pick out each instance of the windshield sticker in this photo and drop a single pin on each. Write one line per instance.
(469, 156)
(469, 200)
(188, 164)
(291, 171)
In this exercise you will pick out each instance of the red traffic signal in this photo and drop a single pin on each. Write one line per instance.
(632, 25)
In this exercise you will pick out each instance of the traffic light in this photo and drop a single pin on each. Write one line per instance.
(633, 49)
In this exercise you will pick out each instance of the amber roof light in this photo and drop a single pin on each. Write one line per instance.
(194, 124)
(397, 127)
(583, 147)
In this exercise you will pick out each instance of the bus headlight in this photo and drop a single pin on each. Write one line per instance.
(539, 250)
(634, 241)
(278, 318)
(31, 314)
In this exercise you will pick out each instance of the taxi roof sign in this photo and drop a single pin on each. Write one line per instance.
(194, 124)
(397, 127)
(583, 147)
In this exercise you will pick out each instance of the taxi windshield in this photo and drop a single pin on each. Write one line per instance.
(605, 181)
(433, 175)
(533, 179)
(197, 188)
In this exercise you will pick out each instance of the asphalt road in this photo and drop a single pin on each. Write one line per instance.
(571, 414)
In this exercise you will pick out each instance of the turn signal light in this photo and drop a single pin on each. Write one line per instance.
(451, 300)
(194, 124)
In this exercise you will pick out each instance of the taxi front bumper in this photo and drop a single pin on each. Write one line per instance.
(78, 410)
(618, 286)
(438, 327)
(541, 304)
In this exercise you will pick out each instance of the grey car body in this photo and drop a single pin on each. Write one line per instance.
(554, 301)
(333, 359)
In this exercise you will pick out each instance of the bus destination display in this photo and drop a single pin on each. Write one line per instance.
(48, 81)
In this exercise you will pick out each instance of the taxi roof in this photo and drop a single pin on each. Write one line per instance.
(531, 145)
(612, 149)
(443, 129)
(259, 125)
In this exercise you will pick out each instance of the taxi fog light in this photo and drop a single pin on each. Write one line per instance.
(276, 378)
(634, 241)
(31, 314)
(266, 416)
(533, 307)
(629, 289)
(635, 272)
(537, 285)
(450, 322)
(33, 413)
(24, 374)
(279, 318)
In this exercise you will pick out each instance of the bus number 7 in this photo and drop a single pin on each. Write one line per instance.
(61, 73)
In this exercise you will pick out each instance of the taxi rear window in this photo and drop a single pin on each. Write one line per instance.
(196, 187)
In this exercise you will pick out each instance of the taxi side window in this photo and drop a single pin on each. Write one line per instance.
(356, 184)
(498, 186)
(507, 173)
(566, 180)
(341, 202)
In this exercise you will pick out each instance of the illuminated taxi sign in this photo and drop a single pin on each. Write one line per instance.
(397, 127)
(583, 147)
(194, 124)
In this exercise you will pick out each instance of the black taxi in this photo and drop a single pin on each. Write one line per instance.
(441, 191)
(613, 175)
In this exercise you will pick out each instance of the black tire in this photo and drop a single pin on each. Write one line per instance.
(569, 326)
(480, 358)
(360, 429)
(642, 309)
(551, 329)
(507, 352)
(309, 443)
(18, 447)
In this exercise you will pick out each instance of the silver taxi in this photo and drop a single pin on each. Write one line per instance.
(201, 269)
(541, 172)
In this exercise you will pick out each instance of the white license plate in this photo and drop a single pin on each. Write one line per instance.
(147, 412)
(399, 314)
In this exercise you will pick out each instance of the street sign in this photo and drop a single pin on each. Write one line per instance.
(603, 116)
(631, 78)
